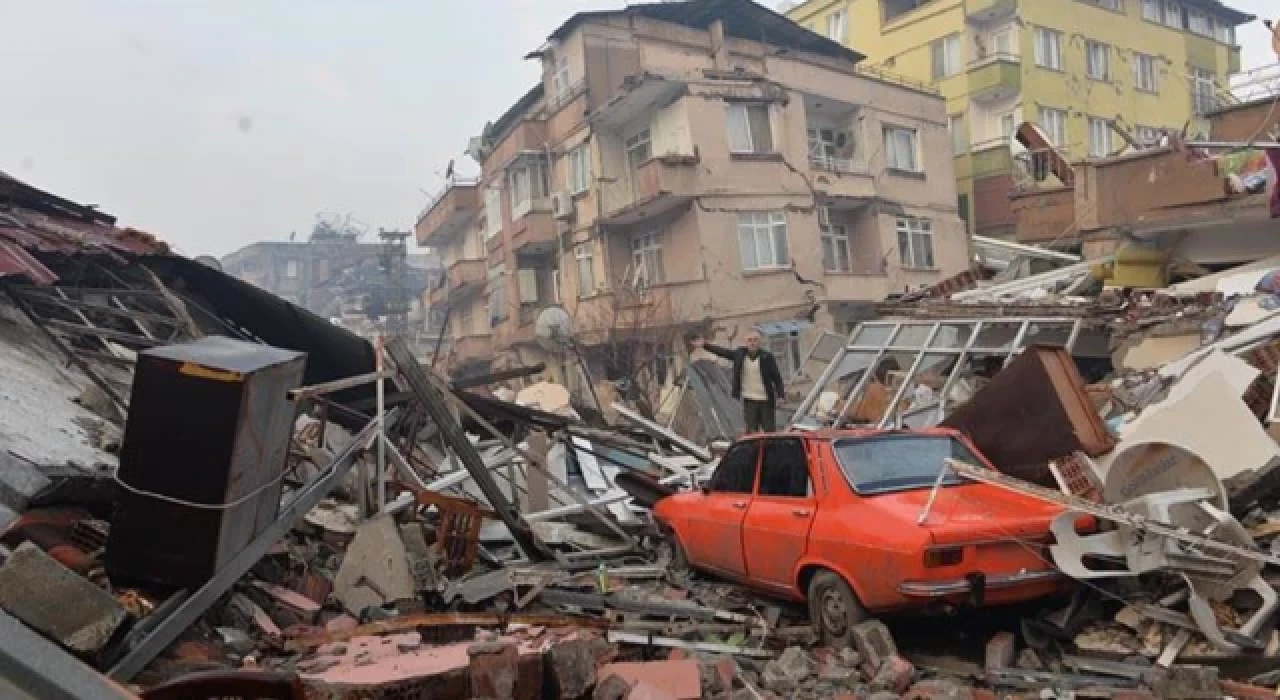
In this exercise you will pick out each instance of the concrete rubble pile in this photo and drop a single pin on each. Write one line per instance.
(303, 515)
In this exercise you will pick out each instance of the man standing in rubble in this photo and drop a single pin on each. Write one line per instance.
(756, 380)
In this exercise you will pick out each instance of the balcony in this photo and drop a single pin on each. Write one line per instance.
(448, 212)
(461, 278)
(995, 77)
(535, 230)
(991, 157)
(658, 186)
(841, 177)
(984, 11)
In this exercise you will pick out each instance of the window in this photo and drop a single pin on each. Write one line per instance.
(835, 243)
(1151, 10)
(646, 260)
(837, 26)
(560, 79)
(1097, 59)
(899, 462)
(528, 182)
(527, 285)
(586, 270)
(737, 470)
(784, 469)
(492, 212)
(1048, 44)
(946, 56)
(915, 242)
(1054, 123)
(959, 136)
(1007, 126)
(497, 294)
(1223, 31)
(1144, 72)
(762, 238)
(829, 148)
(638, 149)
(900, 149)
(1172, 14)
(1002, 42)
(1198, 23)
(1099, 138)
(1203, 92)
(579, 169)
(291, 268)
(749, 128)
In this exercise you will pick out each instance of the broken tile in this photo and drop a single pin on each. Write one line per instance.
(58, 602)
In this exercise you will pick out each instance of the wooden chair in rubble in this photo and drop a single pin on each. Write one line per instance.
(239, 684)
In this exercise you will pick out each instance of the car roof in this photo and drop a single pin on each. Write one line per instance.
(838, 433)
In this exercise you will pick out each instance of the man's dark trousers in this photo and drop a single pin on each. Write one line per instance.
(759, 416)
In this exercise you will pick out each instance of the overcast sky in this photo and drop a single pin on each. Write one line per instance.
(216, 123)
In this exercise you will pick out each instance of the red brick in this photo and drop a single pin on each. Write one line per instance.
(894, 674)
(1244, 691)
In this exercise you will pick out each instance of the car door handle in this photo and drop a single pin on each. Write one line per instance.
(740, 505)
(800, 513)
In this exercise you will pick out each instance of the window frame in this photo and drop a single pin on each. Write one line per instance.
(561, 84)
(1105, 146)
(291, 268)
(1091, 60)
(956, 129)
(763, 462)
(1057, 140)
(1045, 60)
(946, 56)
(1144, 72)
(771, 224)
(1203, 101)
(492, 211)
(642, 139)
(752, 444)
(583, 254)
(910, 229)
(835, 236)
(764, 114)
(838, 20)
(647, 265)
(499, 309)
(891, 154)
(578, 177)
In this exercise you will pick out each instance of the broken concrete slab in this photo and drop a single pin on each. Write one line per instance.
(571, 668)
(20, 481)
(375, 569)
(680, 679)
(58, 602)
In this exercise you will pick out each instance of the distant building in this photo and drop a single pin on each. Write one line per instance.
(337, 275)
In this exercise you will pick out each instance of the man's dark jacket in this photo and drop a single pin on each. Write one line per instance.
(773, 385)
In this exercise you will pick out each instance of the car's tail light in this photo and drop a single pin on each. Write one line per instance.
(943, 556)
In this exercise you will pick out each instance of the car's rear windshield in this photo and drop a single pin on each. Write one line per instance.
(899, 462)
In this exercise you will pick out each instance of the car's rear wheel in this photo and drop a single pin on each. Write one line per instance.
(834, 609)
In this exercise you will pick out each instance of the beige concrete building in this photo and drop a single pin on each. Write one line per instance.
(705, 164)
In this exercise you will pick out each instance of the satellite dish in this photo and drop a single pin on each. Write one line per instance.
(553, 328)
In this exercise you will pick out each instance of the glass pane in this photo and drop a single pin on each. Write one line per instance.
(997, 336)
(877, 334)
(826, 348)
(924, 391)
(913, 335)
(952, 335)
(1047, 334)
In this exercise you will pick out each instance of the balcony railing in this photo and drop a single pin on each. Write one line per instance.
(454, 181)
(852, 166)
(885, 76)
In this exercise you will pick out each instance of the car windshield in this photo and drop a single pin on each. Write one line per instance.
(899, 462)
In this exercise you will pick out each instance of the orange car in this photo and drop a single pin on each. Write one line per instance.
(835, 518)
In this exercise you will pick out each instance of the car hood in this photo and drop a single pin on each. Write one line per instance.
(968, 512)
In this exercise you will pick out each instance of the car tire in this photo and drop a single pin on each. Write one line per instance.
(834, 609)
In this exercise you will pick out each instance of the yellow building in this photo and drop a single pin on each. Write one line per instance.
(1075, 67)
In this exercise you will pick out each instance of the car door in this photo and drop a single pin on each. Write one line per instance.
(776, 529)
(715, 529)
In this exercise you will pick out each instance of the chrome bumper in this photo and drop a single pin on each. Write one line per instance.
(940, 589)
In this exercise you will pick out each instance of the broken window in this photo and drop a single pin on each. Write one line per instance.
(899, 462)
(784, 469)
(892, 373)
(646, 260)
(737, 470)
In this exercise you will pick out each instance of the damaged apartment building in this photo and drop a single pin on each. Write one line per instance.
(705, 166)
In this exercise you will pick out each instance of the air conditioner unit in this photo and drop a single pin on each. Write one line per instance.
(562, 205)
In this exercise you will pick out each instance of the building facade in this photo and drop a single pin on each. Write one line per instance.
(1077, 68)
(672, 171)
